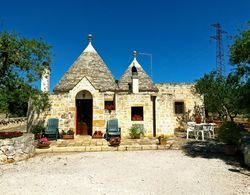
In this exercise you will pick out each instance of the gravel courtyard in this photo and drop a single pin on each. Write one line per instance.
(142, 172)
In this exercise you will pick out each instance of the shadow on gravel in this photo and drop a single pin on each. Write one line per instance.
(213, 149)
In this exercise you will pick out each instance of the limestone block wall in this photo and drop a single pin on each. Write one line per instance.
(124, 102)
(16, 149)
(168, 94)
(110, 114)
(63, 107)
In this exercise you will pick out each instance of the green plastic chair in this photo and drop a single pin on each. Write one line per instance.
(112, 129)
(51, 131)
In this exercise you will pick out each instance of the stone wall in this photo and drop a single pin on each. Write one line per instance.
(168, 94)
(16, 149)
(165, 116)
(7, 123)
(63, 107)
(124, 102)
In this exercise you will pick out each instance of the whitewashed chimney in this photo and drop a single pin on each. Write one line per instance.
(135, 79)
(45, 81)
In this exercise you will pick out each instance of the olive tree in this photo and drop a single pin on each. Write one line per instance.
(22, 62)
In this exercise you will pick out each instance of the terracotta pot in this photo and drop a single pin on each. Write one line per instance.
(114, 141)
(39, 145)
(230, 149)
(68, 136)
(198, 120)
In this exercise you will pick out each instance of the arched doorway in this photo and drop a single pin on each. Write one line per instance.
(84, 113)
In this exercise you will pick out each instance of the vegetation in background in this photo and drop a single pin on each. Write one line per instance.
(229, 95)
(240, 59)
(37, 129)
(22, 62)
(230, 132)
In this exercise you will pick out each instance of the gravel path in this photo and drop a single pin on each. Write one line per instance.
(143, 172)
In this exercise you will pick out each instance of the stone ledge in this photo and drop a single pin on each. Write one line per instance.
(102, 148)
(134, 147)
(41, 151)
(69, 149)
(149, 147)
(93, 148)
(109, 148)
(122, 148)
(163, 147)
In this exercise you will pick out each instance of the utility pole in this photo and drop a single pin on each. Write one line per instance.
(220, 66)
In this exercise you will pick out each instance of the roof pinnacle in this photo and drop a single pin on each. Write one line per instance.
(90, 48)
(134, 54)
(90, 38)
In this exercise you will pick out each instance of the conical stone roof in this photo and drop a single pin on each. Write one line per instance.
(145, 82)
(90, 65)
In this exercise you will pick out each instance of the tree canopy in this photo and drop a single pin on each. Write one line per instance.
(221, 94)
(22, 62)
(240, 57)
(240, 50)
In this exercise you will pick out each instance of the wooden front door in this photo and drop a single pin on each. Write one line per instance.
(84, 116)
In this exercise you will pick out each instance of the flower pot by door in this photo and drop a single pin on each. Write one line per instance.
(68, 136)
(43, 145)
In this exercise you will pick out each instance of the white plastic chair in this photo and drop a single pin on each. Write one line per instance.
(205, 129)
(190, 128)
(212, 126)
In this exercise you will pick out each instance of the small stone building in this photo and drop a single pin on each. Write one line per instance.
(88, 95)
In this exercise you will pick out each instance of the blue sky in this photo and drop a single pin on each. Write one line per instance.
(176, 33)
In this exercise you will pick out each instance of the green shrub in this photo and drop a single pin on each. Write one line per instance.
(136, 131)
(230, 132)
(68, 132)
(37, 129)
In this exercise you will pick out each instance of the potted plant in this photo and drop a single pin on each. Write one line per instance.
(230, 134)
(136, 131)
(197, 119)
(115, 141)
(162, 140)
(137, 117)
(97, 135)
(198, 110)
(37, 130)
(69, 134)
(43, 142)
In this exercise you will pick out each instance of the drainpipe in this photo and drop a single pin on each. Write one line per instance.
(153, 98)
